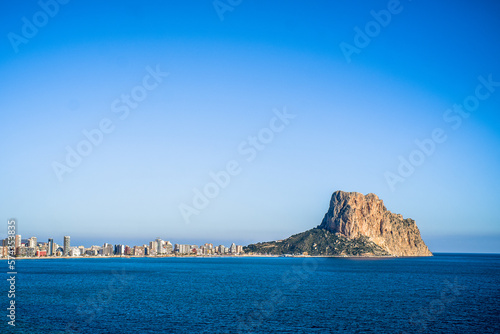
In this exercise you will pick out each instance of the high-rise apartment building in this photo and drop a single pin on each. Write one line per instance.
(66, 246)
(119, 249)
(17, 242)
(153, 246)
(159, 245)
(182, 249)
(169, 249)
(107, 249)
(32, 242)
(51, 247)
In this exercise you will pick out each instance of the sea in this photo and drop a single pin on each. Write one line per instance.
(447, 293)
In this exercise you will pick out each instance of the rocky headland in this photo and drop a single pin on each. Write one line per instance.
(354, 225)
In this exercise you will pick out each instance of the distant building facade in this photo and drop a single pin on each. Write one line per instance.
(32, 242)
(66, 246)
(50, 251)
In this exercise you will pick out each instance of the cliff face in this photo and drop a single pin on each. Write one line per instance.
(354, 215)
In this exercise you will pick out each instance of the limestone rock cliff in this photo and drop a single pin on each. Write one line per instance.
(355, 215)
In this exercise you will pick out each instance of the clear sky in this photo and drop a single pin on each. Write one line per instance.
(291, 100)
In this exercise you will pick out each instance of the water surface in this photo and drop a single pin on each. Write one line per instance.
(447, 293)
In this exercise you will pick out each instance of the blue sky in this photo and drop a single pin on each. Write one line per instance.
(353, 117)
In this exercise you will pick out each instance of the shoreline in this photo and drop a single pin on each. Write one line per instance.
(207, 256)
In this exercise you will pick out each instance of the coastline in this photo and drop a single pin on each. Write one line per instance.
(206, 256)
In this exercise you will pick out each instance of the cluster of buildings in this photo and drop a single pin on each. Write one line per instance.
(32, 248)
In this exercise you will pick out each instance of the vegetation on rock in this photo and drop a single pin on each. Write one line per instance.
(318, 241)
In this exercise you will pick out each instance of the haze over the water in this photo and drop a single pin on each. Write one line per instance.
(118, 118)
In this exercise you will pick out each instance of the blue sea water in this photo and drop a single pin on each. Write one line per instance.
(447, 293)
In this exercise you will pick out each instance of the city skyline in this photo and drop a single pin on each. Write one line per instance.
(100, 240)
(32, 247)
(130, 121)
